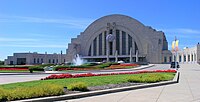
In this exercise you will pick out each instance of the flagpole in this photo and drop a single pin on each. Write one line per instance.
(175, 53)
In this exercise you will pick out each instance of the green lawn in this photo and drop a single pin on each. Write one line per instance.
(55, 86)
(90, 81)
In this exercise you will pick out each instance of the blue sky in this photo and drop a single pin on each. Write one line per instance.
(48, 25)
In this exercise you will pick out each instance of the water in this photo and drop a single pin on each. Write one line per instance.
(78, 61)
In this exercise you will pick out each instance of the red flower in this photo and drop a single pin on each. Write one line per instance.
(61, 76)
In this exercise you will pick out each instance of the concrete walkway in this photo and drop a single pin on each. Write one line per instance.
(187, 90)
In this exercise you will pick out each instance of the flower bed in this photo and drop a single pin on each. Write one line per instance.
(61, 76)
(14, 69)
(106, 65)
(61, 69)
(122, 66)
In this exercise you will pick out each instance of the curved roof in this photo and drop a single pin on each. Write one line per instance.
(118, 16)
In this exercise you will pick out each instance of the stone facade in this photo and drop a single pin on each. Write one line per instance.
(35, 58)
(188, 55)
(129, 40)
(129, 34)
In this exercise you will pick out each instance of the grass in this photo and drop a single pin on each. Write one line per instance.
(44, 86)
(90, 81)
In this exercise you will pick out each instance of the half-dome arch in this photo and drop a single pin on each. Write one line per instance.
(148, 41)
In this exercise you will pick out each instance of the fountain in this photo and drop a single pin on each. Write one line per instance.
(78, 61)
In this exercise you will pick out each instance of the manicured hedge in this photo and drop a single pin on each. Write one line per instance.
(148, 78)
(78, 86)
(87, 65)
(103, 65)
(38, 67)
(30, 92)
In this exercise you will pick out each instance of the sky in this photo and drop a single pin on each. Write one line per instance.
(48, 25)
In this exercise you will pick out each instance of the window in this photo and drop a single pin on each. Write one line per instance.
(188, 58)
(53, 61)
(110, 31)
(49, 60)
(100, 44)
(192, 58)
(89, 53)
(170, 59)
(56, 60)
(180, 58)
(105, 45)
(95, 47)
(111, 47)
(184, 58)
(165, 59)
(129, 43)
(38, 61)
(136, 47)
(42, 61)
(117, 41)
(123, 43)
(34, 61)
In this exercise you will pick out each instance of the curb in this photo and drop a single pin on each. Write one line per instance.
(100, 92)
(144, 67)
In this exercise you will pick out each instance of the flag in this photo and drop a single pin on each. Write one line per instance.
(173, 43)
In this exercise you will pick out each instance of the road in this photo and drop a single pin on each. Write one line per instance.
(13, 78)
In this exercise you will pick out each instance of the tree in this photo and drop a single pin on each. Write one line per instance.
(1, 62)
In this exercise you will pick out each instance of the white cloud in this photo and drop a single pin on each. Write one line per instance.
(181, 31)
(33, 45)
(70, 22)
(17, 40)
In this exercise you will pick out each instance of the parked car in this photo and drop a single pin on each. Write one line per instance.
(175, 65)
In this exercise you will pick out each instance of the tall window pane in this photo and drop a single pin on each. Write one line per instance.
(117, 41)
(123, 43)
(129, 43)
(95, 47)
(100, 44)
(105, 42)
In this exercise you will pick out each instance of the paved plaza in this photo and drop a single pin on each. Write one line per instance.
(187, 90)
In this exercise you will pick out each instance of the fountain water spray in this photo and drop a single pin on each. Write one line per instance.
(77, 61)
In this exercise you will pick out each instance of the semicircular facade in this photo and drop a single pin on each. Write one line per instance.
(131, 41)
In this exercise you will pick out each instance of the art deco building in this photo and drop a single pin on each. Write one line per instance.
(130, 37)
(114, 38)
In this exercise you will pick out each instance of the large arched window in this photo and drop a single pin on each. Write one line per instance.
(123, 43)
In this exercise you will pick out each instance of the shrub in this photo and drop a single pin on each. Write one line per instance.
(103, 65)
(31, 92)
(38, 67)
(149, 78)
(3, 95)
(79, 86)
(1, 62)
